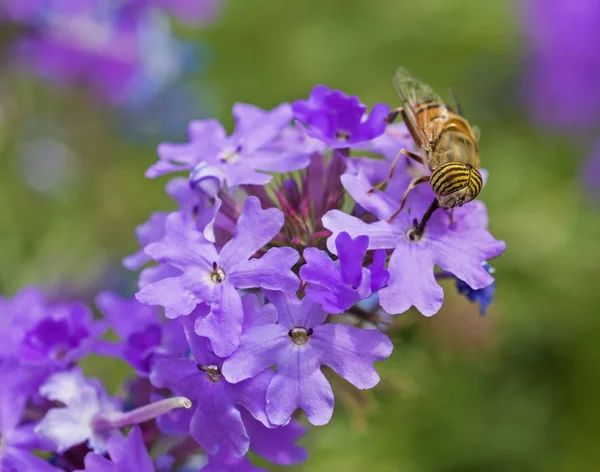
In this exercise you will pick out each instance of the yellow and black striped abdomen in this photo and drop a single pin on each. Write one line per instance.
(453, 176)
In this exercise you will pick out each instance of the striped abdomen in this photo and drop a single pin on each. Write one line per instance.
(454, 176)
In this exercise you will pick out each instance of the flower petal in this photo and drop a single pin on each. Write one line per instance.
(255, 228)
(378, 203)
(183, 246)
(130, 453)
(272, 271)
(276, 444)
(462, 253)
(252, 393)
(223, 325)
(259, 349)
(381, 234)
(293, 312)
(351, 351)
(310, 392)
(412, 281)
(351, 253)
(216, 425)
(173, 293)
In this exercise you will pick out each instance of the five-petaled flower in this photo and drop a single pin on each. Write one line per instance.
(298, 345)
(212, 277)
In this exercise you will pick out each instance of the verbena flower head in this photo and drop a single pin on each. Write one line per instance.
(339, 120)
(278, 261)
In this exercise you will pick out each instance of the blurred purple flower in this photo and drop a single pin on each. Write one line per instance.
(145, 335)
(66, 334)
(459, 247)
(339, 120)
(17, 441)
(298, 345)
(564, 67)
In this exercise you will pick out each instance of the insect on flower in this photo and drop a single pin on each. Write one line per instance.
(447, 140)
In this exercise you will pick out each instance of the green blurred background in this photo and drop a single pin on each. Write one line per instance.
(514, 391)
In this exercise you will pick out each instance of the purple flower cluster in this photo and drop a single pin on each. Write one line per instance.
(277, 262)
(123, 51)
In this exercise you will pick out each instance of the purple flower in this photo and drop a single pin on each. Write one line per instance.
(19, 314)
(145, 336)
(67, 333)
(298, 345)
(339, 285)
(216, 422)
(242, 157)
(212, 278)
(339, 120)
(126, 454)
(458, 247)
(17, 441)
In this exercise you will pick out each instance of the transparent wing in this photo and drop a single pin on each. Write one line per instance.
(414, 94)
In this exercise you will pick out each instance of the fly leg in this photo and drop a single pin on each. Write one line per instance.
(420, 227)
(413, 184)
(402, 152)
(393, 115)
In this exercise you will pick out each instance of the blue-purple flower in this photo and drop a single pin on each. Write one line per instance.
(298, 345)
(339, 120)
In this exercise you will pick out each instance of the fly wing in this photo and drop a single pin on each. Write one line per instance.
(414, 94)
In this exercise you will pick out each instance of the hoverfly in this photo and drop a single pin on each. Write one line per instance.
(448, 141)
